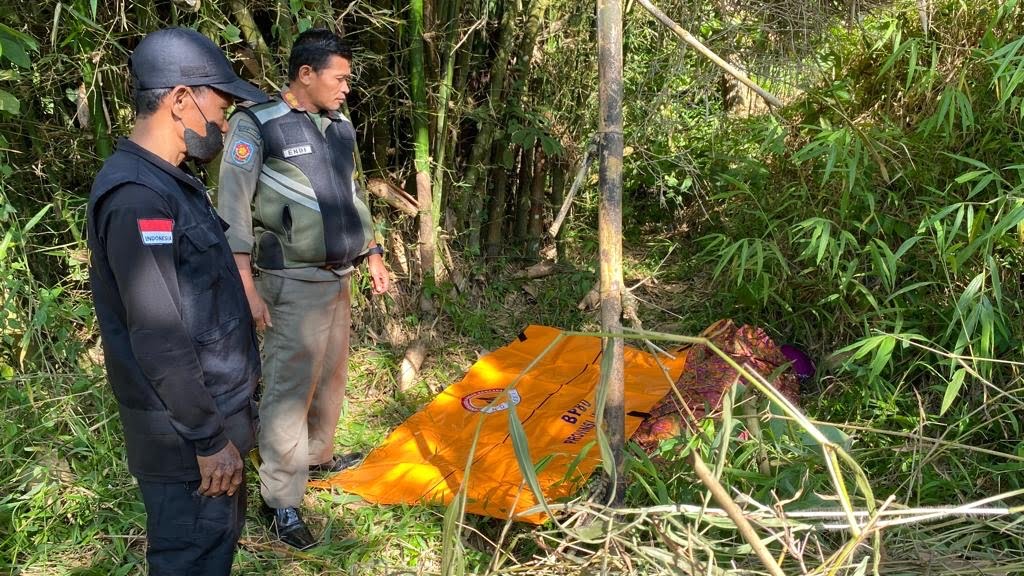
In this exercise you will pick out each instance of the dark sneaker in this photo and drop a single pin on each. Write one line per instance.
(288, 526)
(337, 463)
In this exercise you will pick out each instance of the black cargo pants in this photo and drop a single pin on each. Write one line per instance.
(190, 534)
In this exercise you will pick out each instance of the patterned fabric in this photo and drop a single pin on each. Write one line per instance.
(707, 377)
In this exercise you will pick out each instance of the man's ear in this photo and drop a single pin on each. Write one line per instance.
(305, 75)
(179, 98)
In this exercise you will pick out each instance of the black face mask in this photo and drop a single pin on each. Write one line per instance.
(202, 149)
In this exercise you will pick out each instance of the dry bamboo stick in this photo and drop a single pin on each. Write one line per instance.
(697, 45)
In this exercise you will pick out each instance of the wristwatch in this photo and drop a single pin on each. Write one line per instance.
(375, 250)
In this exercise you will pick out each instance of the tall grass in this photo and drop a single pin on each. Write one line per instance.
(884, 229)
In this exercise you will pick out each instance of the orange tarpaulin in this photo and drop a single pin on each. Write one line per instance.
(424, 459)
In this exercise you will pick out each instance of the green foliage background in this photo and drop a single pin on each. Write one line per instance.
(877, 220)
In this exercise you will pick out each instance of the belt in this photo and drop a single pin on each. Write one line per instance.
(353, 264)
(333, 267)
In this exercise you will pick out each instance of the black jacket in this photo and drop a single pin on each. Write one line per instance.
(178, 338)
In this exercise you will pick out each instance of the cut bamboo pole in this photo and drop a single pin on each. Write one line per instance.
(719, 493)
(609, 231)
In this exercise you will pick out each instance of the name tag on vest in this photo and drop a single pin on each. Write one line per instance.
(297, 151)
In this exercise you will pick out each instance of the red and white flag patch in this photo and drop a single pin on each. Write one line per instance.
(156, 231)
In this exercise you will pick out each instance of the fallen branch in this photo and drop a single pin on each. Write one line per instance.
(394, 196)
(415, 354)
(697, 45)
(592, 298)
(733, 511)
(539, 270)
(581, 174)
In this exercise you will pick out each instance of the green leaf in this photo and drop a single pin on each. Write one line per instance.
(9, 104)
(833, 434)
(972, 175)
(882, 356)
(231, 33)
(12, 50)
(521, 448)
(35, 219)
(20, 37)
(952, 390)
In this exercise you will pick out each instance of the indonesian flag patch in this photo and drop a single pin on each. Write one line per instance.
(156, 231)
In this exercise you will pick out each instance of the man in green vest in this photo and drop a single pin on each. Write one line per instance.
(299, 225)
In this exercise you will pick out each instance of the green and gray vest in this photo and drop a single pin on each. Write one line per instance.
(306, 211)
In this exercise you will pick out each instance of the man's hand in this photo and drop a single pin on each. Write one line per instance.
(379, 277)
(260, 312)
(222, 473)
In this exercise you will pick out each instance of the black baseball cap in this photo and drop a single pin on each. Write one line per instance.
(183, 57)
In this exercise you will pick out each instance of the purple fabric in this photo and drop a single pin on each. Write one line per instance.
(803, 366)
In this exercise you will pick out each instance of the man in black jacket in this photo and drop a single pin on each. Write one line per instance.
(178, 338)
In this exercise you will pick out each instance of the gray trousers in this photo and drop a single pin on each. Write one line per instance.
(305, 370)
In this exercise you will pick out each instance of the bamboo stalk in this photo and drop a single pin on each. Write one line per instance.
(697, 45)
(743, 526)
(252, 35)
(496, 215)
(472, 203)
(421, 143)
(393, 195)
(610, 94)
(535, 225)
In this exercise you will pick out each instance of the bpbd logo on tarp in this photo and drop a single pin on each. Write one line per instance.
(480, 401)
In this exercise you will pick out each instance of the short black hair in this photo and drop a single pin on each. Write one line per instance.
(314, 48)
(147, 102)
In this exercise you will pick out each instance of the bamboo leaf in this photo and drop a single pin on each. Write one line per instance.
(826, 237)
(882, 355)
(976, 163)
(521, 448)
(35, 219)
(972, 175)
(607, 457)
(893, 58)
(981, 185)
(997, 285)
(907, 245)
(952, 390)
(908, 289)
(911, 66)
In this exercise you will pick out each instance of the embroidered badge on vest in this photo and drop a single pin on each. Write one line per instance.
(156, 231)
(241, 152)
(297, 151)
